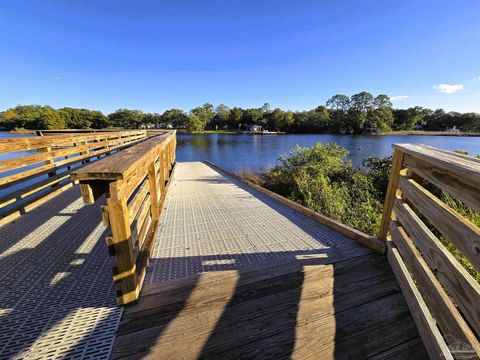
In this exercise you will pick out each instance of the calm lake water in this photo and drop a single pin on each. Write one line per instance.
(258, 152)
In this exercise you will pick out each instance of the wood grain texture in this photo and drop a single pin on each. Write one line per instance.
(460, 285)
(461, 232)
(431, 336)
(443, 309)
(466, 167)
(344, 307)
(397, 164)
(40, 174)
(462, 188)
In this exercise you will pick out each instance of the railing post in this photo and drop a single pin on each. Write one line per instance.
(125, 272)
(152, 179)
(162, 171)
(397, 163)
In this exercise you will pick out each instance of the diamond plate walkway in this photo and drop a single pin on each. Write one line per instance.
(237, 275)
(213, 222)
(233, 272)
(57, 299)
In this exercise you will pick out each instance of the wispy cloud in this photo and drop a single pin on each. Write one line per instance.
(476, 78)
(399, 97)
(448, 88)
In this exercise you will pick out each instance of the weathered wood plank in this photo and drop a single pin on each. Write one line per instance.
(446, 314)
(129, 161)
(121, 234)
(461, 232)
(397, 164)
(460, 285)
(462, 188)
(33, 143)
(463, 166)
(431, 336)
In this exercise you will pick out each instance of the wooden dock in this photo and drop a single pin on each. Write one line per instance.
(236, 274)
(210, 266)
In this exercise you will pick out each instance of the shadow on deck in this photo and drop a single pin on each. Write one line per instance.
(57, 298)
(282, 287)
(234, 275)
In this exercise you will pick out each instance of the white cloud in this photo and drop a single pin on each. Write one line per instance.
(448, 88)
(476, 78)
(399, 97)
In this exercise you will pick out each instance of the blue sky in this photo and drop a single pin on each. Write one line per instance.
(154, 55)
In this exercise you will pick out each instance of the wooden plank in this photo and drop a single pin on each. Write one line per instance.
(152, 178)
(367, 240)
(463, 166)
(126, 163)
(28, 174)
(461, 188)
(138, 199)
(461, 232)
(397, 164)
(33, 143)
(431, 336)
(446, 314)
(121, 234)
(460, 285)
(263, 310)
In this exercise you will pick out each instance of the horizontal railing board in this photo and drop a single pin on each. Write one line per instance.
(33, 143)
(135, 191)
(461, 286)
(461, 232)
(443, 309)
(464, 189)
(458, 164)
(28, 179)
(429, 332)
(120, 166)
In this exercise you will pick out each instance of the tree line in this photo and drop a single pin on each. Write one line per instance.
(342, 114)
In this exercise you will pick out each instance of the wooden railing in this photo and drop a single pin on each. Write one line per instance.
(443, 297)
(38, 168)
(135, 183)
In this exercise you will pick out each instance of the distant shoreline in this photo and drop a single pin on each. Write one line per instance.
(230, 132)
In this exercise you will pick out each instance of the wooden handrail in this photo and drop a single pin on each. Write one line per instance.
(443, 297)
(135, 183)
(42, 172)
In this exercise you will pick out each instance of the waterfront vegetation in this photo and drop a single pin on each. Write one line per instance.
(321, 178)
(357, 114)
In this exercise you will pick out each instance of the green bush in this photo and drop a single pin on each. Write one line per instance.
(321, 178)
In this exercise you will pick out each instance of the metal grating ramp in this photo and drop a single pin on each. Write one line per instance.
(57, 298)
(213, 222)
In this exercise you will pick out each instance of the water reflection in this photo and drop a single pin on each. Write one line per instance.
(258, 152)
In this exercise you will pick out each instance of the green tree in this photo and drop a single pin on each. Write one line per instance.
(175, 117)
(339, 102)
(235, 118)
(362, 101)
(195, 124)
(128, 119)
(222, 115)
(51, 120)
(382, 102)
(204, 114)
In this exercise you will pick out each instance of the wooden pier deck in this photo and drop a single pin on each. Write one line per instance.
(237, 275)
(206, 265)
(234, 274)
